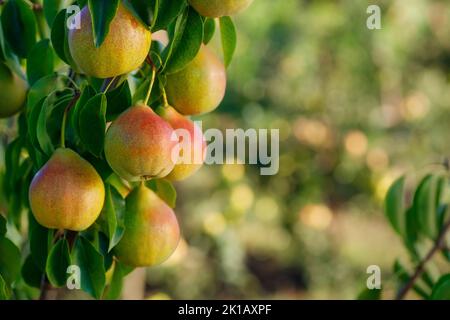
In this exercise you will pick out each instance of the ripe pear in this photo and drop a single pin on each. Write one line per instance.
(139, 144)
(151, 232)
(219, 8)
(191, 141)
(200, 86)
(125, 47)
(67, 193)
(13, 92)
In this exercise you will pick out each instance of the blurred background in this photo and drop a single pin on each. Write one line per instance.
(356, 108)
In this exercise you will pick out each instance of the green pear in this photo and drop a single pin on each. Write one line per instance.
(139, 144)
(200, 86)
(192, 144)
(13, 92)
(151, 232)
(125, 47)
(67, 192)
(219, 8)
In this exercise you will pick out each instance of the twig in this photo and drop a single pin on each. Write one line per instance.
(440, 243)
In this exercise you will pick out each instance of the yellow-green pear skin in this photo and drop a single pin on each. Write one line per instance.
(124, 49)
(200, 87)
(151, 232)
(219, 8)
(67, 193)
(192, 144)
(13, 92)
(139, 144)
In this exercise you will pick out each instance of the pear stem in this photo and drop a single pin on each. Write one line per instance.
(108, 86)
(152, 82)
(164, 96)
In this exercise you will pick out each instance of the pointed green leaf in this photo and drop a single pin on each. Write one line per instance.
(209, 30)
(9, 260)
(102, 14)
(40, 61)
(229, 39)
(441, 290)
(92, 124)
(425, 200)
(165, 190)
(395, 207)
(57, 263)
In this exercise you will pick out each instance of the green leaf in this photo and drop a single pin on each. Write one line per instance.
(114, 289)
(59, 37)
(142, 10)
(425, 200)
(165, 190)
(229, 39)
(404, 277)
(52, 7)
(370, 294)
(43, 88)
(19, 26)
(92, 124)
(112, 215)
(2, 226)
(40, 242)
(40, 61)
(119, 100)
(395, 206)
(168, 11)
(186, 42)
(209, 30)
(6, 54)
(50, 119)
(9, 260)
(5, 291)
(441, 290)
(57, 263)
(87, 93)
(102, 13)
(92, 267)
(31, 273)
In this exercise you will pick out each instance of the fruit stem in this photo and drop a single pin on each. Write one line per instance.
(152, 82)
(64, 121)
(107, 84)
(164, 96)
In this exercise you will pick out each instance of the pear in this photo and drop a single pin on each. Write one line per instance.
(67, 193)
(191, 141)
(139, 144)
(219, 8)
(13, 92)
(200, 86)
(151, 232)
(124, 49)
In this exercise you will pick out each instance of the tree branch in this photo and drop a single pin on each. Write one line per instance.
(440, 243)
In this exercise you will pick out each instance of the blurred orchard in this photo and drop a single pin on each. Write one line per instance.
(356, 108)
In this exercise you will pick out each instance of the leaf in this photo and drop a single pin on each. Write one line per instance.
(92, 124)
(114, 289)
(50, 119)
(87, 93)
(31, 273)
(186, 42)
(8, 56)
(102, 14)
(92, 267)
(57, 263)
(19, 26)
(404, 277)
(52, 7)
(370, 294)
(425, 200)
(165, 190)
(113, 213)
(40, 240)
(168, 11)
(59, 38)
(119, 100)
(5, 291)
(209, 30)
(2, 226)
(40, 61)
(441, 290)
(229, 39)
(142, 10)
(9, 260)
(395, 207)
(43, 88)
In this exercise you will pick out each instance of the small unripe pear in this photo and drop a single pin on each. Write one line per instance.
(151, 233)
(192, 144)
(67, 193)
(200, 86)
(124, 49)
(219, 8)
(139, 144)
(13, 92)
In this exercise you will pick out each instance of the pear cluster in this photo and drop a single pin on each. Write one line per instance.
(143, 143)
